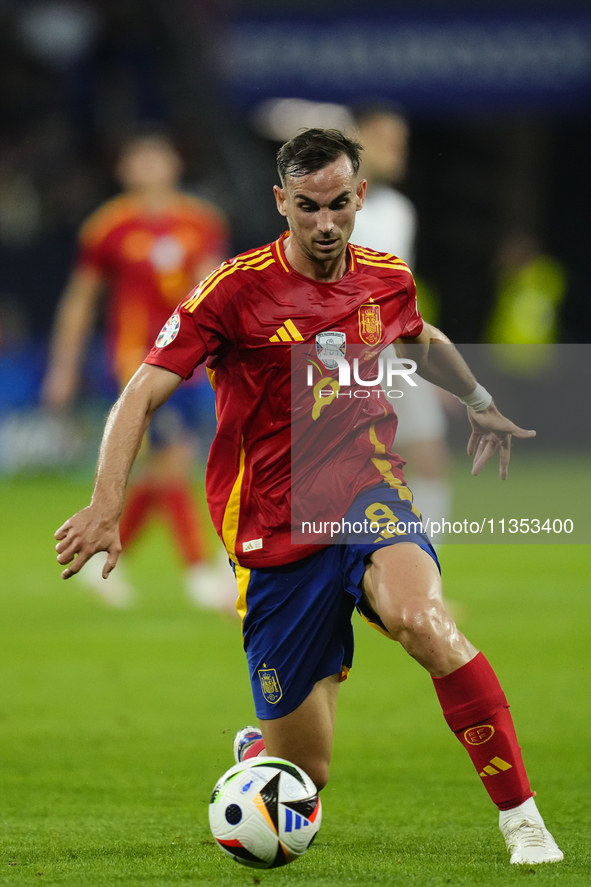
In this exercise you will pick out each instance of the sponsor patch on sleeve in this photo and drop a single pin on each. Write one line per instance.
(169, 331)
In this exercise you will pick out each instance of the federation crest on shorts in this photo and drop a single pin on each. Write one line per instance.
(331, 346)
(370, 324)
(270, 685)
(169, 331)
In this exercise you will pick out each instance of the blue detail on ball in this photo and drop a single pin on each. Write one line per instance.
(293, 821)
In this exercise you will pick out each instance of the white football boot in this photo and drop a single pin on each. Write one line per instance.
(243, 741)
(528, 840)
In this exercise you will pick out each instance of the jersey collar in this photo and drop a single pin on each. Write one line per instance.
(278, 248)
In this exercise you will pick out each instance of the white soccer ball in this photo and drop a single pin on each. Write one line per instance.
(265, 812)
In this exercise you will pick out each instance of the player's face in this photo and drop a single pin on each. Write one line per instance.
(149, 164)
(385, 144)
(320, 208)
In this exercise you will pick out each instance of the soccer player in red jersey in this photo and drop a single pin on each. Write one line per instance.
(282, 448)
(147, 247)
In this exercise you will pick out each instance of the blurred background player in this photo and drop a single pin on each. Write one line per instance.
(147, 248)
(388, 223)
(531, 290)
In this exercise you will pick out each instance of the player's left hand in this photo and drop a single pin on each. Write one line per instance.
(492, 431)
(83, 535)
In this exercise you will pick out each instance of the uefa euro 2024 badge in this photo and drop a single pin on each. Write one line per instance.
(330, 347)
(169, 331)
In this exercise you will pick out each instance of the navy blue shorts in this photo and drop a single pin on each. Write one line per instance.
(297, 623)
(189, 412)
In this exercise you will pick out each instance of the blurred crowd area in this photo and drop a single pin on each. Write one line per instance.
(502, 191)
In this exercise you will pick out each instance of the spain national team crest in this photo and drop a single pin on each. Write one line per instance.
(370, 324)
(270, 685)
(479, 735)
(169, 331)
(331, 346)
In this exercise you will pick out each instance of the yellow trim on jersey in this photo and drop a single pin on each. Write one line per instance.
(398, 266)
(232, 512)
(255, 252)
(264, 254)
(282, 261)
(378, 447)
(211, 377)
(224, 271)
(368, 251)
(366, 256)
(243, 580)
(385, 469)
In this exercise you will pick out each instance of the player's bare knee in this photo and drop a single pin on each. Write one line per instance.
(415, 623)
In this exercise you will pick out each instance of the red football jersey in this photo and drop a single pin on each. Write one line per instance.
(246, 319)
(149, 262)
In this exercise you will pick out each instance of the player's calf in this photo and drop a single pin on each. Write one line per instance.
(249, 743)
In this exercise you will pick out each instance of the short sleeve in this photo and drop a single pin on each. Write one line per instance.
(194, 332)
(411, 320)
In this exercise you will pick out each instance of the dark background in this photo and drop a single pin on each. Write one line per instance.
(487, 155)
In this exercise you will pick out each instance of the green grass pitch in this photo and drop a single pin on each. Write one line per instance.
(114, 726)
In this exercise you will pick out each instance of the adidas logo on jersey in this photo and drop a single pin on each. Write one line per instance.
(287, 333)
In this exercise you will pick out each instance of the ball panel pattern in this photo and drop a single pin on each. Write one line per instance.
(280, 812)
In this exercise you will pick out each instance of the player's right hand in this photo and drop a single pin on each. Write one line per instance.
(83, 535)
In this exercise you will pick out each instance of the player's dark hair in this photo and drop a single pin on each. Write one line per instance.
(313, 149)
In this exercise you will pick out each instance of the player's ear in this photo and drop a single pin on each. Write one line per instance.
(360, 193)
(280, 198)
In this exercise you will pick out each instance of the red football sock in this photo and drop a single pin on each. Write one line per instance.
(477, 711)
(180, 511)
(254, 750)
(140, 502)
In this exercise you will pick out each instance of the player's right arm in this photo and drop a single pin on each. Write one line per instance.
(74, 320)
(96, 527)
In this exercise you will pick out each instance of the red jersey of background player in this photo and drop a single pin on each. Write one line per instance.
(149, 263)
(244, 319)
